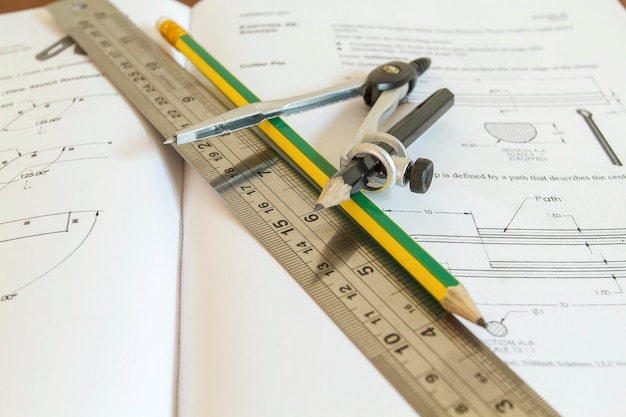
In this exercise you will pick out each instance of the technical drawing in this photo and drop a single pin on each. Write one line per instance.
(514, 94)
(29, 115)
(33, 115)
(527, 275)
(34, 246)
(17, 167)
(497, 328)
(521, 133)
(588, 116)
(523, 141)
(570, 260)
(552, 253)
(512, 132)
(24, 240)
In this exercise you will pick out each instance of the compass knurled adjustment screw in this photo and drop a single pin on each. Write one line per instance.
(421, 175)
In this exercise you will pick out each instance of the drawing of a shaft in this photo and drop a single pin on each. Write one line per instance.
(587, 115)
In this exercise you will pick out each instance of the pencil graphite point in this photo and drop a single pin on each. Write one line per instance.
(459, 302)
(335, 192)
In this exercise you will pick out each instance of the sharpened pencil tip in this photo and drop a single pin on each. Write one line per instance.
(481, 322)
(334, 193)
(319, 207)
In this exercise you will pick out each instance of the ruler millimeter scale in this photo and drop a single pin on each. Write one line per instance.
(428, 356)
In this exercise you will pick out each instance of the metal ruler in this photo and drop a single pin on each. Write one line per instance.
(439, 367)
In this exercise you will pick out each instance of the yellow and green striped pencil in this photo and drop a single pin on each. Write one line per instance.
(424, 268)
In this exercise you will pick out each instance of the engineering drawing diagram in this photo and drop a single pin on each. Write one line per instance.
(511, 95)
(512, 132)
(26, 177)
(588, 117)
(572, 260)
(23, 239)
(25, 115)
(23, 168)
(531, 119)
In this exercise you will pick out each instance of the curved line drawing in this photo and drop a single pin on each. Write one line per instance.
(42, 114)
(15, 166)
(95, 219)
(511, 132)
(44, 168)
(19, 239)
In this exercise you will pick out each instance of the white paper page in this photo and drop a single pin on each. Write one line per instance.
(90, 214)
(526, 208)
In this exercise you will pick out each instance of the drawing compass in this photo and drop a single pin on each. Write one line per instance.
(383, 89)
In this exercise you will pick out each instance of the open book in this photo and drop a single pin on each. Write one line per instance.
(129, 288)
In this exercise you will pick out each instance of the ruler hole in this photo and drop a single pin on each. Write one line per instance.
(79, 6)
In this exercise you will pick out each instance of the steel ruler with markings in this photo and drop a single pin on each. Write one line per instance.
(438, 365)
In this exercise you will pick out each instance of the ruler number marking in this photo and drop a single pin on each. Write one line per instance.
(324, 268)
(134, 70)
(504, 406)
